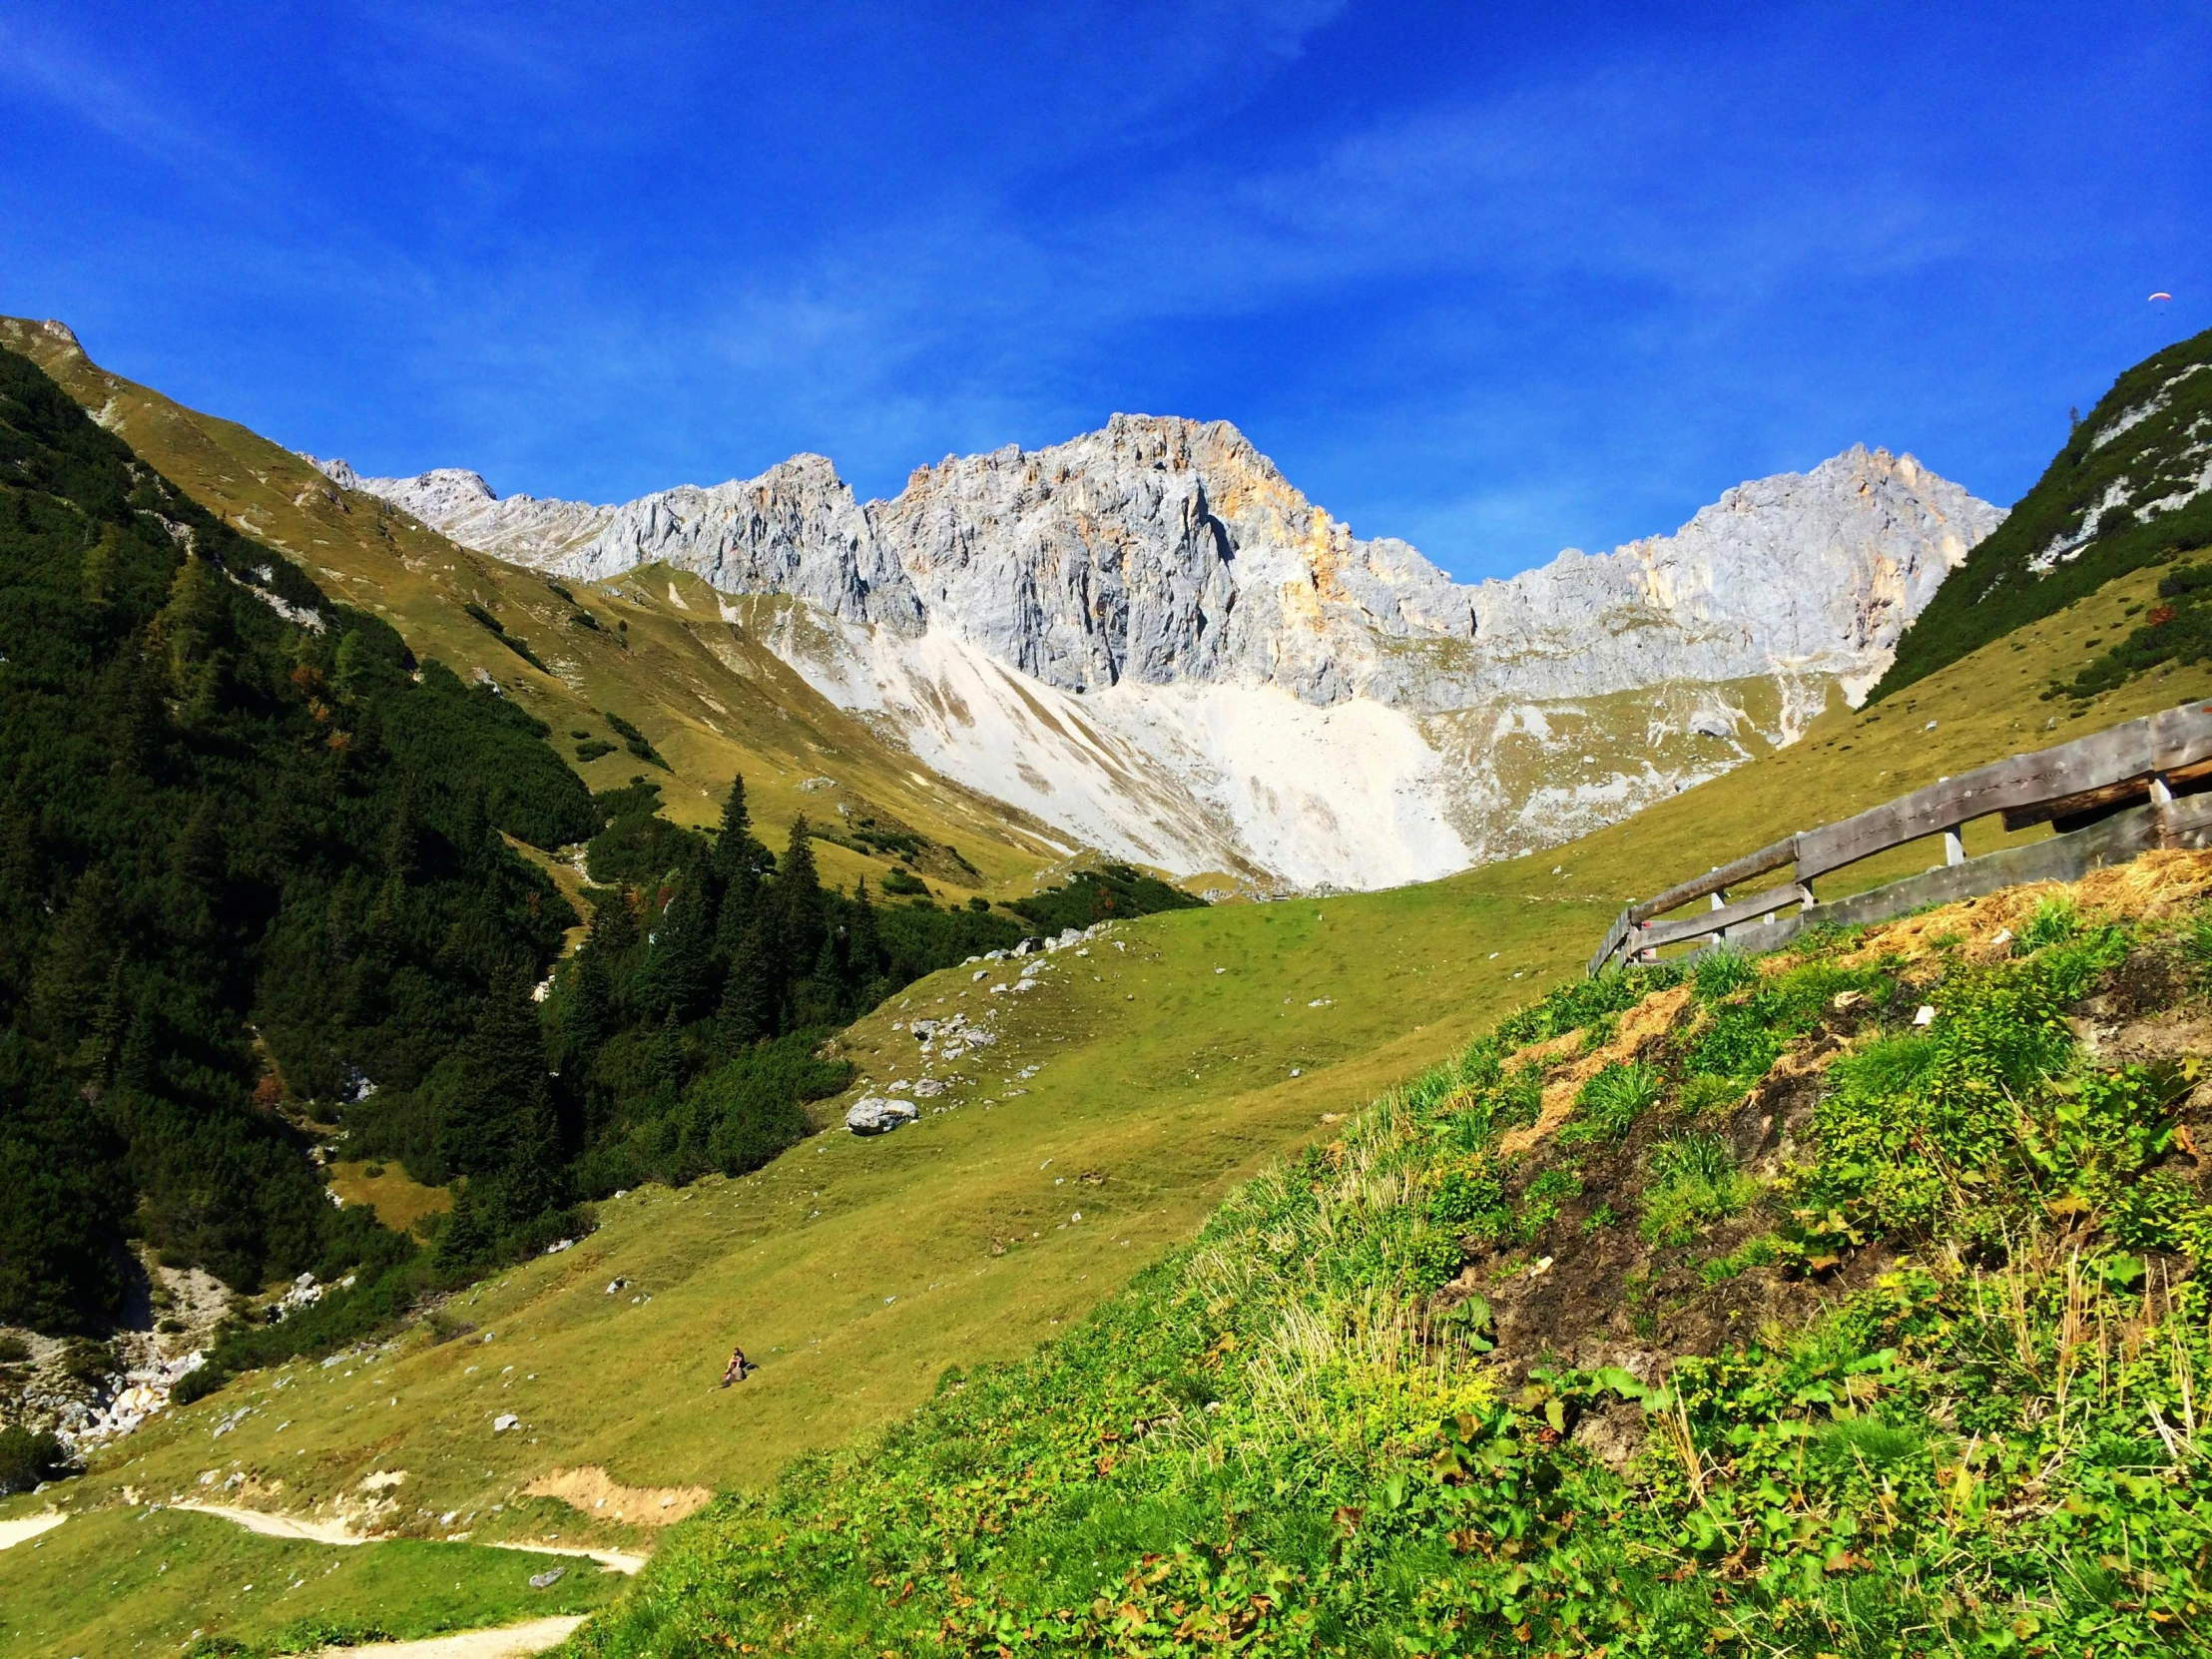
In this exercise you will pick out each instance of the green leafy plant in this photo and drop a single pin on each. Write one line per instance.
(2054, 922)
(1720, 973)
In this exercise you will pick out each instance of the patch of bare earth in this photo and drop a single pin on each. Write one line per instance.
(598, 1494)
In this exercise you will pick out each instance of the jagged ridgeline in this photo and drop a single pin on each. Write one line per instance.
(249, 858)
(2132, 487)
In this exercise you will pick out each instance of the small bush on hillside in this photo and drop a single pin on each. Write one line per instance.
(1703, 1096)
(2053, 922)
(1610, 1102)
(1750, 1028)
(14, 1350)
(27, 1460)
(1721, 972)
(1695, 1181)
(1111, 891)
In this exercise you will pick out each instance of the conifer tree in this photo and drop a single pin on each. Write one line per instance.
(751, 993)
(404, 835)
(588, 1012)
(472, 838)
(502, 1102)
(863, 945)
(194, 632)
(736, 853)
(677, 978)
(797, 901)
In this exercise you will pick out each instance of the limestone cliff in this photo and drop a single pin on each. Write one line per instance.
(1166, 601)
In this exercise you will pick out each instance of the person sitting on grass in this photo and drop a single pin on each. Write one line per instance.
(739, 1367)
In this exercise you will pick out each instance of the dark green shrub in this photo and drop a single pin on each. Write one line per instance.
(27, 1460)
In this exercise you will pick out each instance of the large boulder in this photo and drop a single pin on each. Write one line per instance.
(875, 1115)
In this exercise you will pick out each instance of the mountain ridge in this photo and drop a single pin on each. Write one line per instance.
(1235, 504)
(1150, 636)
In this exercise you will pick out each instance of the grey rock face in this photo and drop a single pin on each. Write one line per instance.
(458, 504)
(1203, 670)
(795, 529)
(1164, 551)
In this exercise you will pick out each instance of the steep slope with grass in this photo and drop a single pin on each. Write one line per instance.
(1133, 1088)
(1757, 1312)
(2132, 487)
(657, 651)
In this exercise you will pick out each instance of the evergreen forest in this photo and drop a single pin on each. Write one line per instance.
(251, 855)
(259, 898)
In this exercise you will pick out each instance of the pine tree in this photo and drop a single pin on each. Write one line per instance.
(798, 903)
(404, 835)
(677, 978)
(193, 631)
(614, 925)
(198, 863)
(71, 978)
(751, 993)
(472, 839)
(588, 1012)
(863, 947)
(503, 1107)
(818, 999)
(738, 856)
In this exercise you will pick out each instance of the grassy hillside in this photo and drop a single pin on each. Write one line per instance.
(856, 1272)
(1173, 1097)
(1741, 1316)
(655, 650)
(132, 1577)
(2132, 487)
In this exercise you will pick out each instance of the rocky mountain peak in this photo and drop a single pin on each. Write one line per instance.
(1259, 687)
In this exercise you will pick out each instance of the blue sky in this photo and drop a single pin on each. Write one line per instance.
(1497, 279)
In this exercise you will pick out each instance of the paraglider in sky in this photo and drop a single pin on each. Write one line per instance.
(2161, 294)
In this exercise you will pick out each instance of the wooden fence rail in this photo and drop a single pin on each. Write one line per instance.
(2084, 788)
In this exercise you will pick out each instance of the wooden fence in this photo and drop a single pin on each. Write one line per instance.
(2087, 789)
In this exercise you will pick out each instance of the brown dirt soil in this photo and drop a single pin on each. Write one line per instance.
(1603, 1296)
(595, 1492)
(1641, 1028)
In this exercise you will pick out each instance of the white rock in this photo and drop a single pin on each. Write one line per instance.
(1155, 642)
(876, 1115)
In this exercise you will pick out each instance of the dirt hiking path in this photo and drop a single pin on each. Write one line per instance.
(503, 1643)
(13, 1532)
(337, 1532)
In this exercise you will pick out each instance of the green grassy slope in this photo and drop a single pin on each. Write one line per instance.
(709, 698)
(139, 1580)
(856, 1270)
(1423, 1393)
(2149, 440)
(1172, 1097)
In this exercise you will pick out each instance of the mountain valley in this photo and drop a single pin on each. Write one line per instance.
(1305, 1088)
